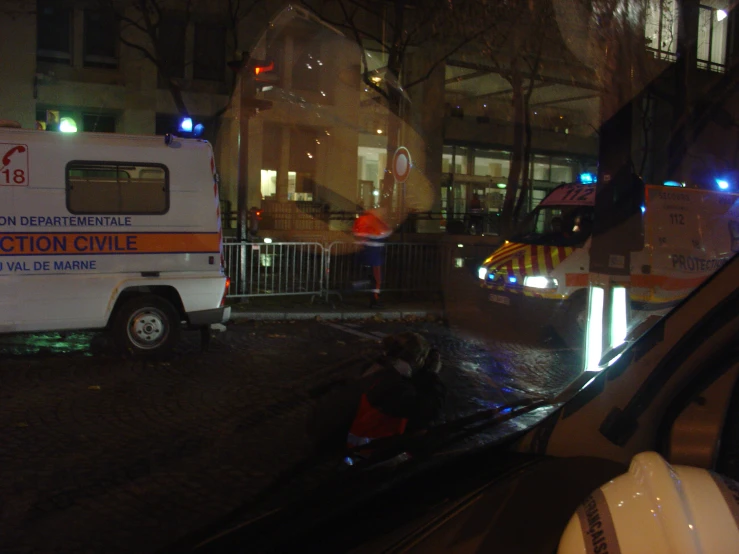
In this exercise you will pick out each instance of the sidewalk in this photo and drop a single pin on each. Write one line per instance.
(350, 307)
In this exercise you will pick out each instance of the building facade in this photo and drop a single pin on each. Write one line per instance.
(323, 144)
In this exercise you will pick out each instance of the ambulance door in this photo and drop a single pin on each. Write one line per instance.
(687, 248)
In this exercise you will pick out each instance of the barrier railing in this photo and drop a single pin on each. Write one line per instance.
(406, 267)
(310, 268)
(317, 219)
(276, 269)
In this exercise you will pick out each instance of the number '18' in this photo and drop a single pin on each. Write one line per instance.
(19, 176)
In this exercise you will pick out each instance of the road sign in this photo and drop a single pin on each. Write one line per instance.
(401, 164)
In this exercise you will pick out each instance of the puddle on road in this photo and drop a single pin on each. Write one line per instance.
(47, 343)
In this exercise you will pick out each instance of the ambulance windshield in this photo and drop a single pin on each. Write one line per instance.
(561, 225)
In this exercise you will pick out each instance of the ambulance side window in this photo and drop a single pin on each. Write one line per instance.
(117, 188)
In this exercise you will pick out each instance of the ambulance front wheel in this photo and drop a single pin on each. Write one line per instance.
(146, 326)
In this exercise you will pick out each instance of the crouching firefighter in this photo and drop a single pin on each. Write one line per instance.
(371, 231)
(401, 393)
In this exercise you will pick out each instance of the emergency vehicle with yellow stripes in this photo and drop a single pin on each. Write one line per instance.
(103, 231)
(688, 234)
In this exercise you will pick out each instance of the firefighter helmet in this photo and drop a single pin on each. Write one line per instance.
(657, 508)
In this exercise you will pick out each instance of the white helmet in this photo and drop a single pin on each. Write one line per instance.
(657, 508)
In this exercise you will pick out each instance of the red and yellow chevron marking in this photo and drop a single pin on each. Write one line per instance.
(520, 260)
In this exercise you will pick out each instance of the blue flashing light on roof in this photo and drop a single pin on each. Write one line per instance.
(673, 184)
(587, 178)
(512, 279)
(723, 184)
(186, 125)
(643, 209)
(198, 130)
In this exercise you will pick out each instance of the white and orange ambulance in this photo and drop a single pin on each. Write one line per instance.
(688, 234)
(109, 231)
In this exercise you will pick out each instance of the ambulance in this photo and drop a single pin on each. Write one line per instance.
(106, 231)
(543, 268)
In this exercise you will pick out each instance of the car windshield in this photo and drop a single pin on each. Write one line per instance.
(253, 251)
(556, 226)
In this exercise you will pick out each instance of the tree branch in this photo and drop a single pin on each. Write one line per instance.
(156, 6)
(131, 23)
(358, 39)
(443, 58)
(149, 56)
(342, 25)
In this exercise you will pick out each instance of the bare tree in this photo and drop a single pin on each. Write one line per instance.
(513, 42)
(237, 11)
(142, 28)
(397, 28)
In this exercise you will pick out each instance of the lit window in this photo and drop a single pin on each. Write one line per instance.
(660, 28)
(713, 26)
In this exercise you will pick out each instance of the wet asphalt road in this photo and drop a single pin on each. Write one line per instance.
(102, 454)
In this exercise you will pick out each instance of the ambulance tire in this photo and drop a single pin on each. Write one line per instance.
(572, 323)
(146, 327)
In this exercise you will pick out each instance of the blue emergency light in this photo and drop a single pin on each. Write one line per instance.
(186, 125)
(723, 184)
(587, 178)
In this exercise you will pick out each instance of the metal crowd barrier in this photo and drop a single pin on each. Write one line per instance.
(275, 269)
(406, 267)
(310, 268)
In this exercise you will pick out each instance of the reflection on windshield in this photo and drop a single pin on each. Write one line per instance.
(397, 205)
(556, 226)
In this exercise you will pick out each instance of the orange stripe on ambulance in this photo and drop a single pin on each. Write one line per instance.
(18, 244)
(65, 244)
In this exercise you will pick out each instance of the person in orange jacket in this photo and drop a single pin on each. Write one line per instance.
(371, 231)
(400, 393)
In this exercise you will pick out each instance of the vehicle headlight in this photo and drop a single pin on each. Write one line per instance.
(539, 282)
(482, 272)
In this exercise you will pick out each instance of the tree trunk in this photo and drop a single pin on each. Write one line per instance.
(179, 101)
(395, 104)
(519, 123)
(525, 177)
(684, 68)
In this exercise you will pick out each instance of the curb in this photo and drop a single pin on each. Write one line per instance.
(326, 315)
